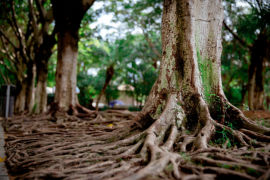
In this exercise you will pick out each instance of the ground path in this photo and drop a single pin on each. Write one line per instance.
(3, 170)
(68, 147)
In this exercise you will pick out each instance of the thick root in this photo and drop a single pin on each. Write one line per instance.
(108, 146)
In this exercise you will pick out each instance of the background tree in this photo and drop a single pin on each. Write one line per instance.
(27, 38)
(67, 28)
(140, 15)
(250, 28)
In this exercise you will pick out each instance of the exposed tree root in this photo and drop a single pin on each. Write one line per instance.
(107, 146)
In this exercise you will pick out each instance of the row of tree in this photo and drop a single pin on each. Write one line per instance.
(28, 40)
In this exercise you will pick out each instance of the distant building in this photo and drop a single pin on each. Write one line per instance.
(123, 100)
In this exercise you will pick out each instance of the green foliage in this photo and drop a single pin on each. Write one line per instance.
(247, 22)
(132, 62)
(52, 69)
(134, 108)
(234, 71)
(143, 14)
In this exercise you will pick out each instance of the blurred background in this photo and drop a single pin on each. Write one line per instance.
(120, 52)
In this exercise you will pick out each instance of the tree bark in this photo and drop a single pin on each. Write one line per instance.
(190, 68)
(188, 93)
(68, 16)
(66, 80)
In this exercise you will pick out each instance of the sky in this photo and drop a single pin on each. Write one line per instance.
(105, 19)
(116, 28)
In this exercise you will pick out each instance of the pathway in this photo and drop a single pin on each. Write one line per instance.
(3, 170)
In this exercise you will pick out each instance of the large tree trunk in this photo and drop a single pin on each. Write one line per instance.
(256, 73)
(188, 93)
(187, 103)
(66, 79)
(190, 77)
(68, 16)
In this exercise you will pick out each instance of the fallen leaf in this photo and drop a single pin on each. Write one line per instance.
(110, 125)
(2, 159)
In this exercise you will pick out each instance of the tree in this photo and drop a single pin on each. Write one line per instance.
(144, 15)
(16, 52)
(67, 27)
(254, 40)
(186, 106)
(43, 51)
(28, 53)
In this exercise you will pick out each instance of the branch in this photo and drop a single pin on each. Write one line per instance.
(7, 67)
(259, 5)
(6, 82)
(251, 4)
(15, 24)
(8, 40)
(33, 17)
(8, 53)
(88, 3)
(41, 10)
(242, 41)
(18, 33)
(149, 41)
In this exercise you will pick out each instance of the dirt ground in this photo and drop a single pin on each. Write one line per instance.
(67, 147)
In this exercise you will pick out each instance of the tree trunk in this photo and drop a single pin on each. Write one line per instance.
(30, 87)
(20, 98)
(68, 16)
(190, 77)
(256, 73)
(109, 76)
(243, 95)
(187, 103)
(66, 79)
(41, 94)
(43, 55)
(188, 93)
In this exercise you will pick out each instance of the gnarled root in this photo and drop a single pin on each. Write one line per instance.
(106, 147)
